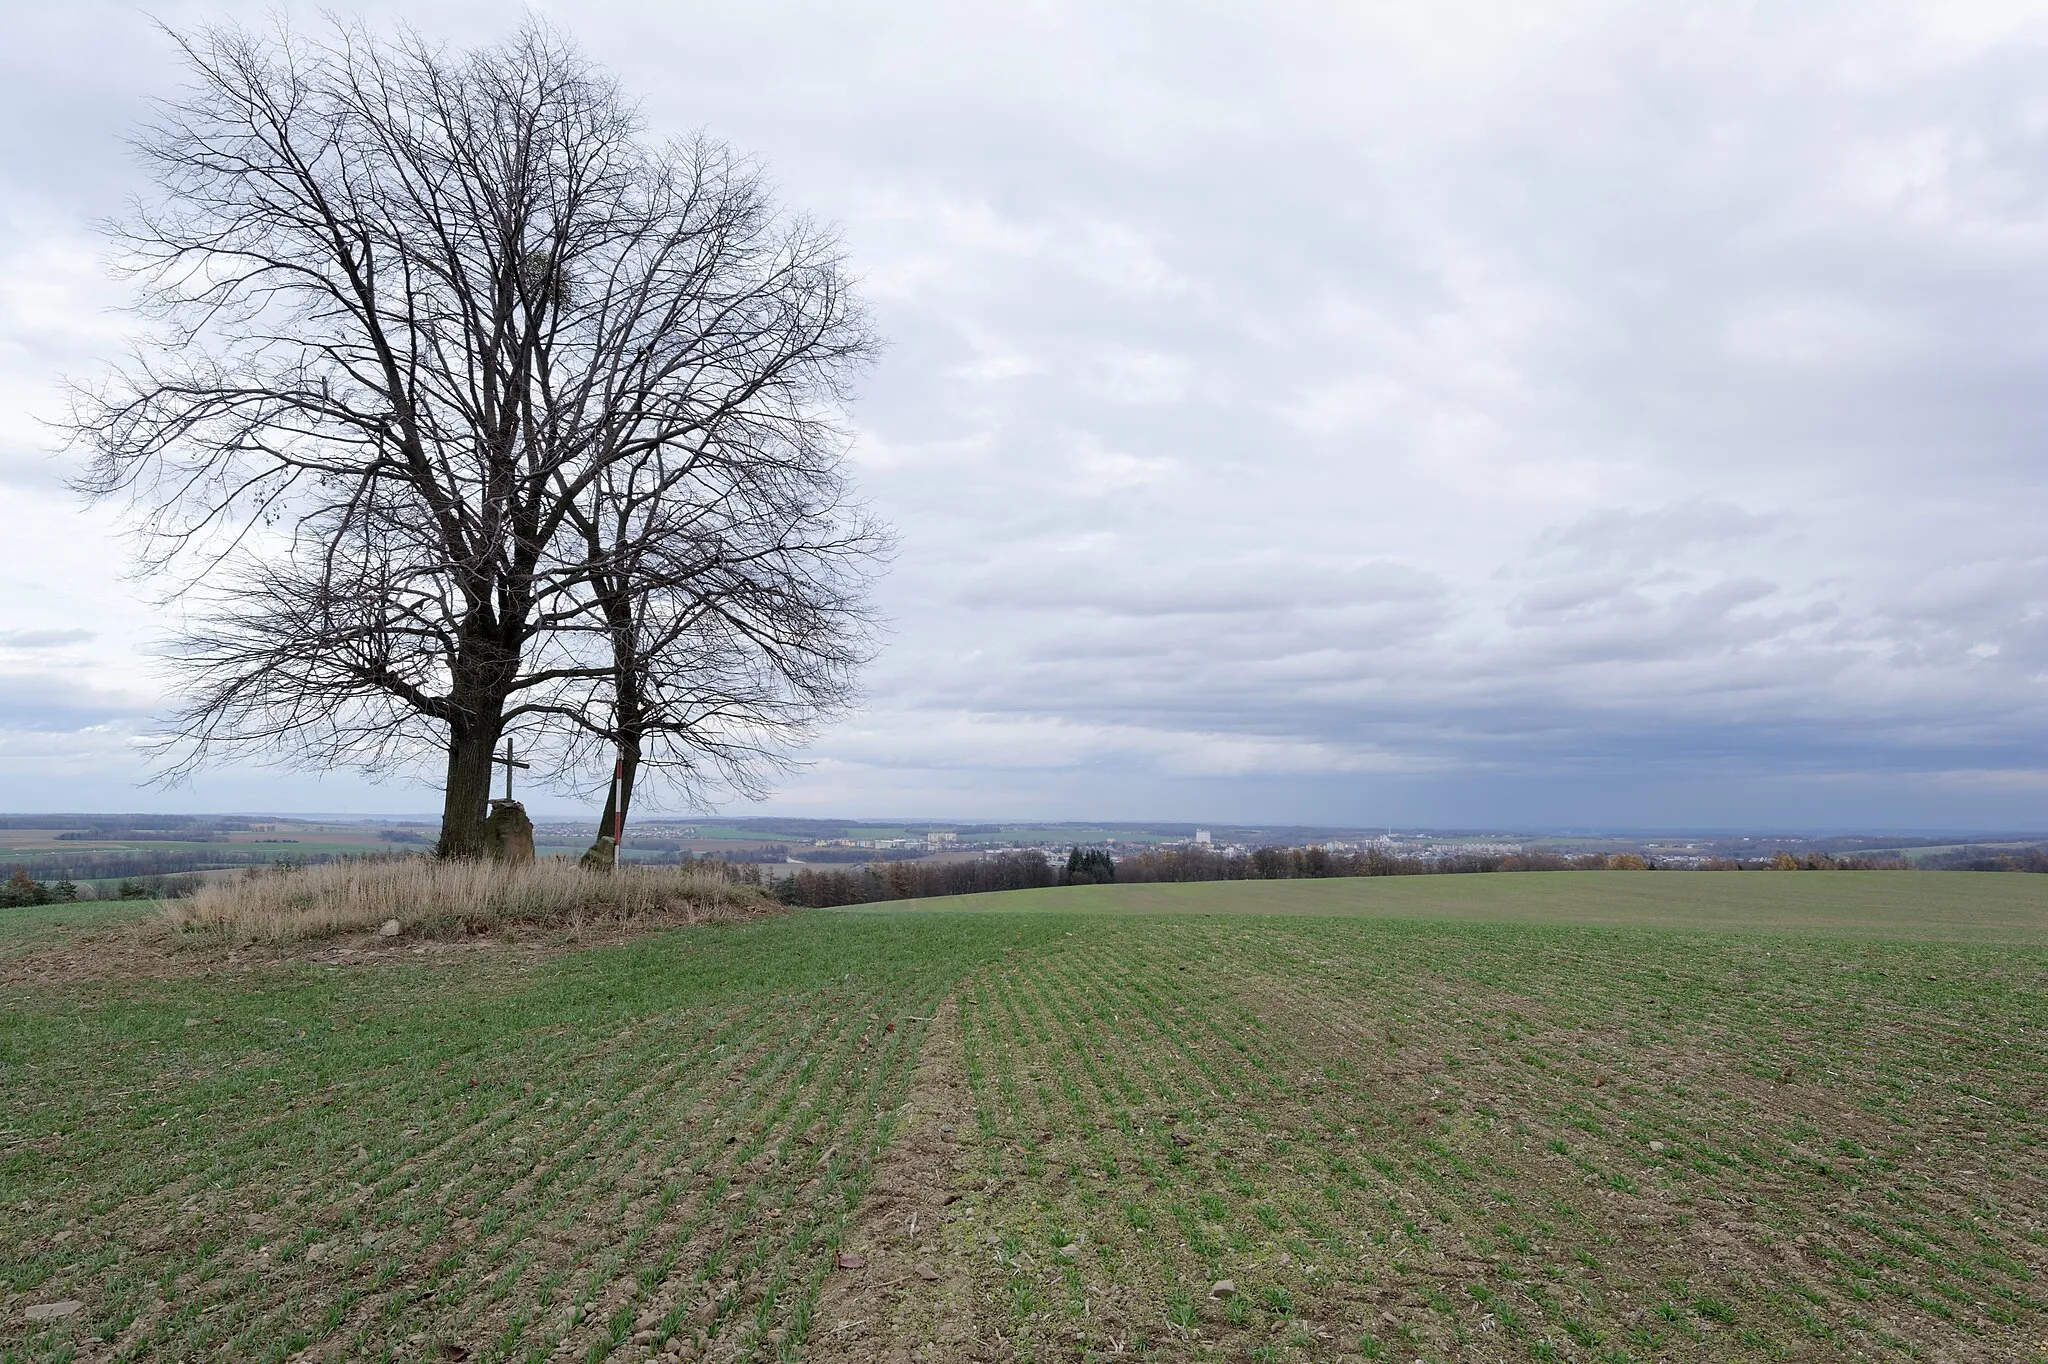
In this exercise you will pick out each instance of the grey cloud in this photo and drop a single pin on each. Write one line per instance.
(1528, 400)
(50, 703)
(1252, 586)
(1635, 538)
(43, 639)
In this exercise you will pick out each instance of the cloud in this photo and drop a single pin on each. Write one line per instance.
(42, 639)
(1324, 412)
(51, 704)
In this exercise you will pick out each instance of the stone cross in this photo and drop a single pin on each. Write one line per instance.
(510, 762)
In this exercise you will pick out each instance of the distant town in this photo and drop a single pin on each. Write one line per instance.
(141, 855)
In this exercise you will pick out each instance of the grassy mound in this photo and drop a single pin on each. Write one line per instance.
(437, 898)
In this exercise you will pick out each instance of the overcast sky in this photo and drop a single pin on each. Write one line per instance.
(1477, 414)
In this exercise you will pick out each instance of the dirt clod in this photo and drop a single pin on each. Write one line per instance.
(53, 1311)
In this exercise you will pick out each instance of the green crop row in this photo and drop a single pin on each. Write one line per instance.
(1432, 1142)
(1387, 1139)
(519, 1159)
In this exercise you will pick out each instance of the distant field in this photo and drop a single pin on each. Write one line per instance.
(104, 863)
(1957, 906)
(1606, 1117)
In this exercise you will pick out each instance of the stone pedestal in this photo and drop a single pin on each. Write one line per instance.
(602, 855)
(508, 833)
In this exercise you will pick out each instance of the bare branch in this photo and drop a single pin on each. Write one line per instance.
(465, 407)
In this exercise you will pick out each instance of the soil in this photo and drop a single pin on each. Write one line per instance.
(909, 1295)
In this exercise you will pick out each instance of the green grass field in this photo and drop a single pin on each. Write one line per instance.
(1555, 1117)
(1979, 907)
(26, 929)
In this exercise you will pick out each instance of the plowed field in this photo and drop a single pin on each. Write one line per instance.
(1056, 1136)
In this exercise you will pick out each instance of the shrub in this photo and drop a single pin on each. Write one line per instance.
(450, 897)
(20, 890)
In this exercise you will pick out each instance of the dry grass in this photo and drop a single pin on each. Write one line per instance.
(427, 896)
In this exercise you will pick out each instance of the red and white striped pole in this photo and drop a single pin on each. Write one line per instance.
(618, 804)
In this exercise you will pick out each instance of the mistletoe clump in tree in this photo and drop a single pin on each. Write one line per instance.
(471, 412)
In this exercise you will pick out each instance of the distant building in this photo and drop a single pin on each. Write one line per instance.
(939, 839)
(1202, 837)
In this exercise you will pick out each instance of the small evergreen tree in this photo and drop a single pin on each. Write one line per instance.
(1090, 867)
(21, 889)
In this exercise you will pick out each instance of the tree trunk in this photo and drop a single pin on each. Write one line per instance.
(609, 820)
(629, 767)
(468, 790)
(618, 793)
(628, 713)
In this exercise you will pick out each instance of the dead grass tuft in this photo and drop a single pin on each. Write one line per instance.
(432, 897)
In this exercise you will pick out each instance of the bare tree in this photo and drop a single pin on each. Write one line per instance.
(727, 618)
(471, 411)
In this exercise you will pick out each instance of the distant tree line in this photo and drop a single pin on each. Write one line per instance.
(1195, 863)
(878, 881)
(652, 851)
(813, 888)
(128, 826)
(1984, 859)
(1280, 864)
(104, 866)
(1812, 861)
(141, 836)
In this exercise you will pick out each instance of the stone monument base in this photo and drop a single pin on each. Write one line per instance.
(603, 854)
(508, 833)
